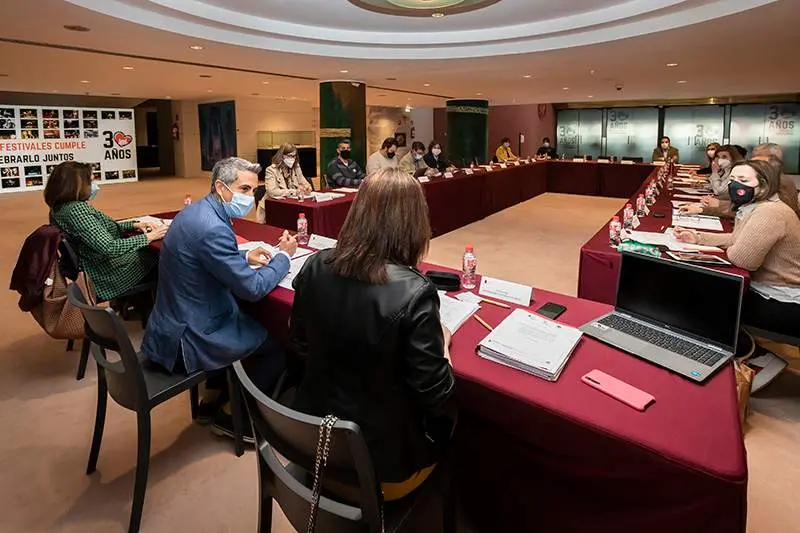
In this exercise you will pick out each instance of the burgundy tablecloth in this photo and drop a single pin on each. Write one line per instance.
(562, 457)
(621, 181)
(599, 263)
(573, 178)
(324, 218)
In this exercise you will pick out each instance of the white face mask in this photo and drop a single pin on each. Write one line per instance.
(711, 153)
(436, 151)
(417, 157)
(724, 163)
(664, 146)
(546, 144)
(289, 161)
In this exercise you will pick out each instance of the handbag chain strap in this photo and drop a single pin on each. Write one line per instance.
(323, 450)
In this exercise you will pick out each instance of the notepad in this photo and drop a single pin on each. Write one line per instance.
(321, 243)
(697, 222)
(454, 313)
(249, 245)
(345, 189)
(666, 239)
(148, 218)
(530, 343)
(295, 265)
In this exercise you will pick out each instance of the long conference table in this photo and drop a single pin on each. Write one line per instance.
(563, 457)
(473, 194)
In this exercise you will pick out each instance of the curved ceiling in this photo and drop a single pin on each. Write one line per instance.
(337, 28)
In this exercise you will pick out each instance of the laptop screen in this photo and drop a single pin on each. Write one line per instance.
(702, 302)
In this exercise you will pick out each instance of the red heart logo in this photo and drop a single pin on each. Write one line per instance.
(740, 192)
(121, 139)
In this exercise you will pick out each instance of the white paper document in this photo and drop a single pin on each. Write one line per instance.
(448, 174)
(148, 218)
(691, 197)
(345, 189)
(326, 196)
(666, 239)
(505, 290)
(697, 222)
(530, 343)
(626, 162)
(503, 165)
(691, 191)
(249, 245)
(468, 171)
(321, 243)
(424, 179)
(454, 313)
(470, 297)
(294, 269)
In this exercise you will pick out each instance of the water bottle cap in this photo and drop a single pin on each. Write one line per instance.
(302, 215)
(641, 196)
(616, 218)
(469, 248)
(628, 205)
(188, 195)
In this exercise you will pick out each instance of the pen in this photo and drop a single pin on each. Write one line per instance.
(482, 322)
(498, 304)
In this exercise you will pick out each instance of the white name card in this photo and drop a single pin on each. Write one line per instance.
(448, 174)
(321, 243)
(323, 197)
(626, 162)
(603, 161)
(424, 179)
(468, 171)
(577, 160)
(503, 165)
(515, 163)
(506, 290)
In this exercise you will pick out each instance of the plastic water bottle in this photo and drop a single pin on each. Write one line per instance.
(469, 266)
(614, 231)
(302, 229)
(187, 201)
(650, 195)
(640, 206)
(627, 217)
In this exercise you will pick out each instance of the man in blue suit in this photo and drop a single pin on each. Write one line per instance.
(196, 323)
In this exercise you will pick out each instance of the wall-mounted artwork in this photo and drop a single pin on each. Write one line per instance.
(217, 132)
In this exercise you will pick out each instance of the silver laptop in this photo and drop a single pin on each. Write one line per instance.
(682, 317)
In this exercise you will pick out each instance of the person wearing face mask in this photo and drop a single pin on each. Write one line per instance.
(283, 177)
(711, 154)
(666, 152)
(413, 163)
(196, 323)
(386, 157)
(721, 170)
(503, 152)
(546, 150)
(114, 262)
(435, 159)
(766, 242)
(342, 170)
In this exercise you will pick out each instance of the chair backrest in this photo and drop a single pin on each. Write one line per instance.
(258, 193)
(69, 262)
(105, 330)
(295, 435)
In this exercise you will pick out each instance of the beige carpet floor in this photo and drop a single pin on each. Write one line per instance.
(196, 483)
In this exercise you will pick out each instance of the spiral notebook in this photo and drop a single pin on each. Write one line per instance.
(531, 343)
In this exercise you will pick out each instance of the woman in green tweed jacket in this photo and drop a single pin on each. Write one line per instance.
(114, 263)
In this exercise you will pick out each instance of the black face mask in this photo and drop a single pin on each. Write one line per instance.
(740, 193)
(390, 154)
(345, 154)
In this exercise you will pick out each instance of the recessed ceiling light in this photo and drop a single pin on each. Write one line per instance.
(168, 97)
(672, 64)
(84, 81)
(55, 90)
(265, 82)
(479, 94)
(681, 81)
(437, 15)
(211, 91)
(426, 84)
(344, 71)
(565, 88)
(196, 47)
(527, 76)
(126, 67)
(75, 27)
(205, 75)
(590, 96)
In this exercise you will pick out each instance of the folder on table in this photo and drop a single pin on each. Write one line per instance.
(531, 343)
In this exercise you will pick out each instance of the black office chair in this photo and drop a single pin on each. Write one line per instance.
(139, 386)
(70, 265)
(294, 436)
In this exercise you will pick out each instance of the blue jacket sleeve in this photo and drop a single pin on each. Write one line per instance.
(223, 260)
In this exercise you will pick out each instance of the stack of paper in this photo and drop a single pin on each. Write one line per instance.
(150, 219)
(703, 222)
(666, 239)
(247, 246)
(530, 343)
(454, 313)
(295, 266)
(345, 189)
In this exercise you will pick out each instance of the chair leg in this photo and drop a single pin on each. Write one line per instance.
(70, 345)
(82, 362)
(237, 412)
(142, 467)
(449, 509)
(264, 498)
(99, 421)
(194, 400)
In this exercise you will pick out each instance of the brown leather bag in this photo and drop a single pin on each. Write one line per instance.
(55, 314)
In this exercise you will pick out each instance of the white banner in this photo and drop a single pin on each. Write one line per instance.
(33, 140)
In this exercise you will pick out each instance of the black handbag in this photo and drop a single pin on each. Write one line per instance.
(444, 281)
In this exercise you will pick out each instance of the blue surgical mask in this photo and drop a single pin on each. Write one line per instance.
(240, 204)
(95, 188)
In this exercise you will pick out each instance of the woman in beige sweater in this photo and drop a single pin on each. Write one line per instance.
(282, 178)
(765, 241)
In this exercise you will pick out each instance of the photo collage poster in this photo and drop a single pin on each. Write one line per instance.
(33, 140)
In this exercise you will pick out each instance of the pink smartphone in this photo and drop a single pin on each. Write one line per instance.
(627, 394)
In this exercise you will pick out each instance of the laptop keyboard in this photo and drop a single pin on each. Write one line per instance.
(662, 340)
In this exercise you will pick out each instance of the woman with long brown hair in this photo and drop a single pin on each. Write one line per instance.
(283, 177)
(367, 324)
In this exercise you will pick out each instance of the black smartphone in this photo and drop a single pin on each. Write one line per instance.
(551, 310)
(659, 215)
